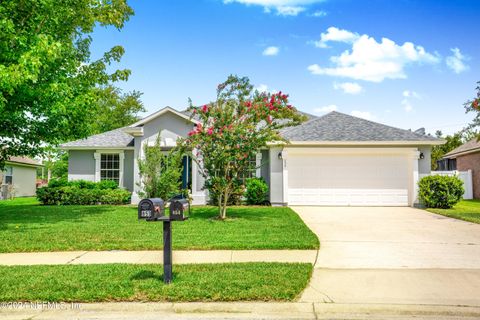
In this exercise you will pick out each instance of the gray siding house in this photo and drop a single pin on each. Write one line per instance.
(19, 177)
(335, 159)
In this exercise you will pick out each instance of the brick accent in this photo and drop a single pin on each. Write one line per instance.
(471, 162)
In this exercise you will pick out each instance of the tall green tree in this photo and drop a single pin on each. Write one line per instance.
(48, 80)
(232, 129)
(452, 142)
(116, 109)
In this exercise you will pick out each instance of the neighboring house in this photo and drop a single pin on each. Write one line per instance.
(464, 158)
(21, 174)
(335, 159)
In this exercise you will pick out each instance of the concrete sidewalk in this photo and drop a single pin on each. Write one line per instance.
(147, 257)
(233, 310)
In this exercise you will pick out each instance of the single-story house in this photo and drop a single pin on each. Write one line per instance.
(464, 158)
(335, 159)
(20, 174)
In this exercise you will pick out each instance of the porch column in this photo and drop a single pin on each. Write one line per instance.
(415, 177)
(136, 172)
(97, 157)
(258, 165)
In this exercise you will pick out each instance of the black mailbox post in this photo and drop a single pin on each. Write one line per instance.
(154, 210)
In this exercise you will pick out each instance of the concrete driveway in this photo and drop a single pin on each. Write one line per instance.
(393, 255)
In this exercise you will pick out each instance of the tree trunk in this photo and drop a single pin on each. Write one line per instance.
(220, 205)
(223, 208)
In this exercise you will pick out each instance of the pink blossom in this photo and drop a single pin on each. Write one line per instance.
(204, 108)
(210, 131)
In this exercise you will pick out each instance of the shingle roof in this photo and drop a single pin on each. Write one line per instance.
(336, 126)
(472, 145)
(112, 139)
(24, 160)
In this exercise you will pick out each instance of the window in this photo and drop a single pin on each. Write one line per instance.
(251, 171)
(110, 167)
(8, 175)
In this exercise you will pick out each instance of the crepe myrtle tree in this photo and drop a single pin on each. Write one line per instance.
(474, 106)
(232, 129)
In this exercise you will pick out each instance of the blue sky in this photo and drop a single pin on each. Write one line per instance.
(404, 63)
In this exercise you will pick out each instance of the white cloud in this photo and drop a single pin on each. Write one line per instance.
(406, 102)
(271, 51)
(289, 10)
(319, 14)
(362, 114)
(370, 60)
(456, 62)
(335, 34)
(282, 7)
(326, 109)
(262, 88)
(410, 94)
(348, 87)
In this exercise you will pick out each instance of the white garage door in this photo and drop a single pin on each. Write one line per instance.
(348, 179)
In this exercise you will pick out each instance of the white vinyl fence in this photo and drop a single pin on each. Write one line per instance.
(465, 176)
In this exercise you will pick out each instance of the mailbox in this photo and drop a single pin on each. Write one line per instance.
(151, 209)
(179, 209)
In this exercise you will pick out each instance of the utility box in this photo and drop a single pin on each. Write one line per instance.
(151, 209)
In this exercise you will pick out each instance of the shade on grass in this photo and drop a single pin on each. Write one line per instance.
(124, 282)
(26, 226)
(468, 210)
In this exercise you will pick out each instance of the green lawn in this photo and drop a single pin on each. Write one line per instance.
(26, 226)
(468, 210)
(123, 282)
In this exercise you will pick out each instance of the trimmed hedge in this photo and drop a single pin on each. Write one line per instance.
(256, 192)
(81, 192)
(440, 191)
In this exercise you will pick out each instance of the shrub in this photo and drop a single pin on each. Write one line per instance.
(160, 171)
(73, 195)
(257, 191)
(440, 191)
(106, 184)
(55, 183)
(83, 184)
(235, 198)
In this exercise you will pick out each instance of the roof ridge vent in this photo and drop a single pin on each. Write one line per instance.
(420, 131)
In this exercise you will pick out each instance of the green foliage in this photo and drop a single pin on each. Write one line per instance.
(116, 109)
(55, 183)
(440, 191)
(56, 161)
(257, 191)
(107, 184)
(48, 80)
(473, 105)
(235, 198)
(74, 195)
(452, 142)
(28, 227)
(255, 281)
(231, 131)
(160, 172)
(82, 184)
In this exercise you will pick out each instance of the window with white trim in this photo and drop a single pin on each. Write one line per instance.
(8, 175)
(110, 167)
